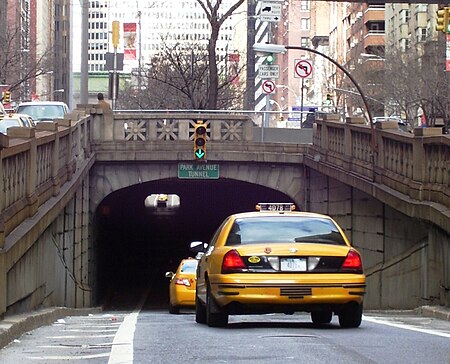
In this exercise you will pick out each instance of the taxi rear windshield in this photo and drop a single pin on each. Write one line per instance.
(189, 266)
(284, 229)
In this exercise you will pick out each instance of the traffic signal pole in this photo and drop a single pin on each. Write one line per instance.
(115, 41)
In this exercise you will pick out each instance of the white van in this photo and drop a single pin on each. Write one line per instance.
(43, 110)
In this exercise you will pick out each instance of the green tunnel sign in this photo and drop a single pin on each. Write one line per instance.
(198, 171)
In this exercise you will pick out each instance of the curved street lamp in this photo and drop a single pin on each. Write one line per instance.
(279, 48)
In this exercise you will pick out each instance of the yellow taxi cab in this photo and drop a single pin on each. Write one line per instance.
(13, 119)
(279, 261)
(182, 285)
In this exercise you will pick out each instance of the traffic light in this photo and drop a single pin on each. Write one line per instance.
(200, 137)
(442, 20)
(7, 97)
(270, 58)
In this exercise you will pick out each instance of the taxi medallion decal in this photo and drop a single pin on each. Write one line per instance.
(268, 250)
(253, 259)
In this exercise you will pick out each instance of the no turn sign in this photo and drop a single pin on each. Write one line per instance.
(303, 68)
(268, 86)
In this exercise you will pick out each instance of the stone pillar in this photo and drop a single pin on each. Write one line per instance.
(78, 246)
(85, 246)
(55, 166)
(3, 281)
(31, 196)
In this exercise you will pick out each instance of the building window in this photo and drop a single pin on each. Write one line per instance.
(404, 15)
(421, 34)
(304, 24)
(304, 5)
(304, 41)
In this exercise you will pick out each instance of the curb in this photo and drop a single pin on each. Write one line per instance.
(12, 327)
(439, 312)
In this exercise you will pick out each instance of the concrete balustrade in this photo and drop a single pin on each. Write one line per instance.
(34, 163)
(417, 166)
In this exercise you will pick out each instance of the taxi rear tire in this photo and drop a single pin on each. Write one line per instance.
(321, 317)
(173, 309)
(351, 316)
(215, 317)
(200, 311)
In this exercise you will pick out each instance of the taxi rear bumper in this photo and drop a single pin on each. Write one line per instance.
(281, 296)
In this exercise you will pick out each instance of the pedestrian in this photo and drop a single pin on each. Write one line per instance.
(103, 104)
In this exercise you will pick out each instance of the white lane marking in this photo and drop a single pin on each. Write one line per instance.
(78, 357)
(406, 327)
(121, 354)
(84, 330)
(77, 336)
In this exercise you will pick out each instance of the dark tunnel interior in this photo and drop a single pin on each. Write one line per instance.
(135, 245)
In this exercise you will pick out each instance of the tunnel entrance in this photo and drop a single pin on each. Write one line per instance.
(134, 246)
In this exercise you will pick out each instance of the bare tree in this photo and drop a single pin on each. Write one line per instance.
(409, 83)
(178, 78)
(216, 17)
(12, 61)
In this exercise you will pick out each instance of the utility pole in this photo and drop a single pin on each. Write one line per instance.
(84, 90)
(249, 100)
(139, 14)
(115, 42)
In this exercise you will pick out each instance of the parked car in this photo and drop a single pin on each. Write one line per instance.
(182, 285)
(44, 110)
(402, 124)
(10, 120)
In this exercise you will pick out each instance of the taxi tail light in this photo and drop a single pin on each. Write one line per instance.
(232, 262)
(352, 262)
(182, 282)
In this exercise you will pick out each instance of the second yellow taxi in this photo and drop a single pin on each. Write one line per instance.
(278, 260)
(182, 285)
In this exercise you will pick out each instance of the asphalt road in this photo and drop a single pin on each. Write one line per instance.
(155, 336)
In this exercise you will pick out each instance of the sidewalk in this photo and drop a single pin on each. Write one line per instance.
(14, 326)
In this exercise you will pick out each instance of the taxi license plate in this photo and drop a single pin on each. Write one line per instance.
(293, 264)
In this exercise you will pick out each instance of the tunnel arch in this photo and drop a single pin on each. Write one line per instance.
(134, 246)
(106, 178)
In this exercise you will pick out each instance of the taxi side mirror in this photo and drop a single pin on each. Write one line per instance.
(170, 274)
(198, 246)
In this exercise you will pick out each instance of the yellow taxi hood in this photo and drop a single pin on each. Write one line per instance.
(285, 249)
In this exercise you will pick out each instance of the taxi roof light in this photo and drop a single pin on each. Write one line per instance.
(275, 206)
(232, 262)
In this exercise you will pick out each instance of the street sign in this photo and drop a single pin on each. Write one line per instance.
(268, 87)
(198, 171)
(270, 11)
(303, 68)
(269, 71)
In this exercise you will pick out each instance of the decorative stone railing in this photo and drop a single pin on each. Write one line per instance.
(414, 164)
(35, 163)
(171, 126)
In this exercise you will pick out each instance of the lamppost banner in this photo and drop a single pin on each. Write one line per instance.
(129, 37)
(447, 57)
